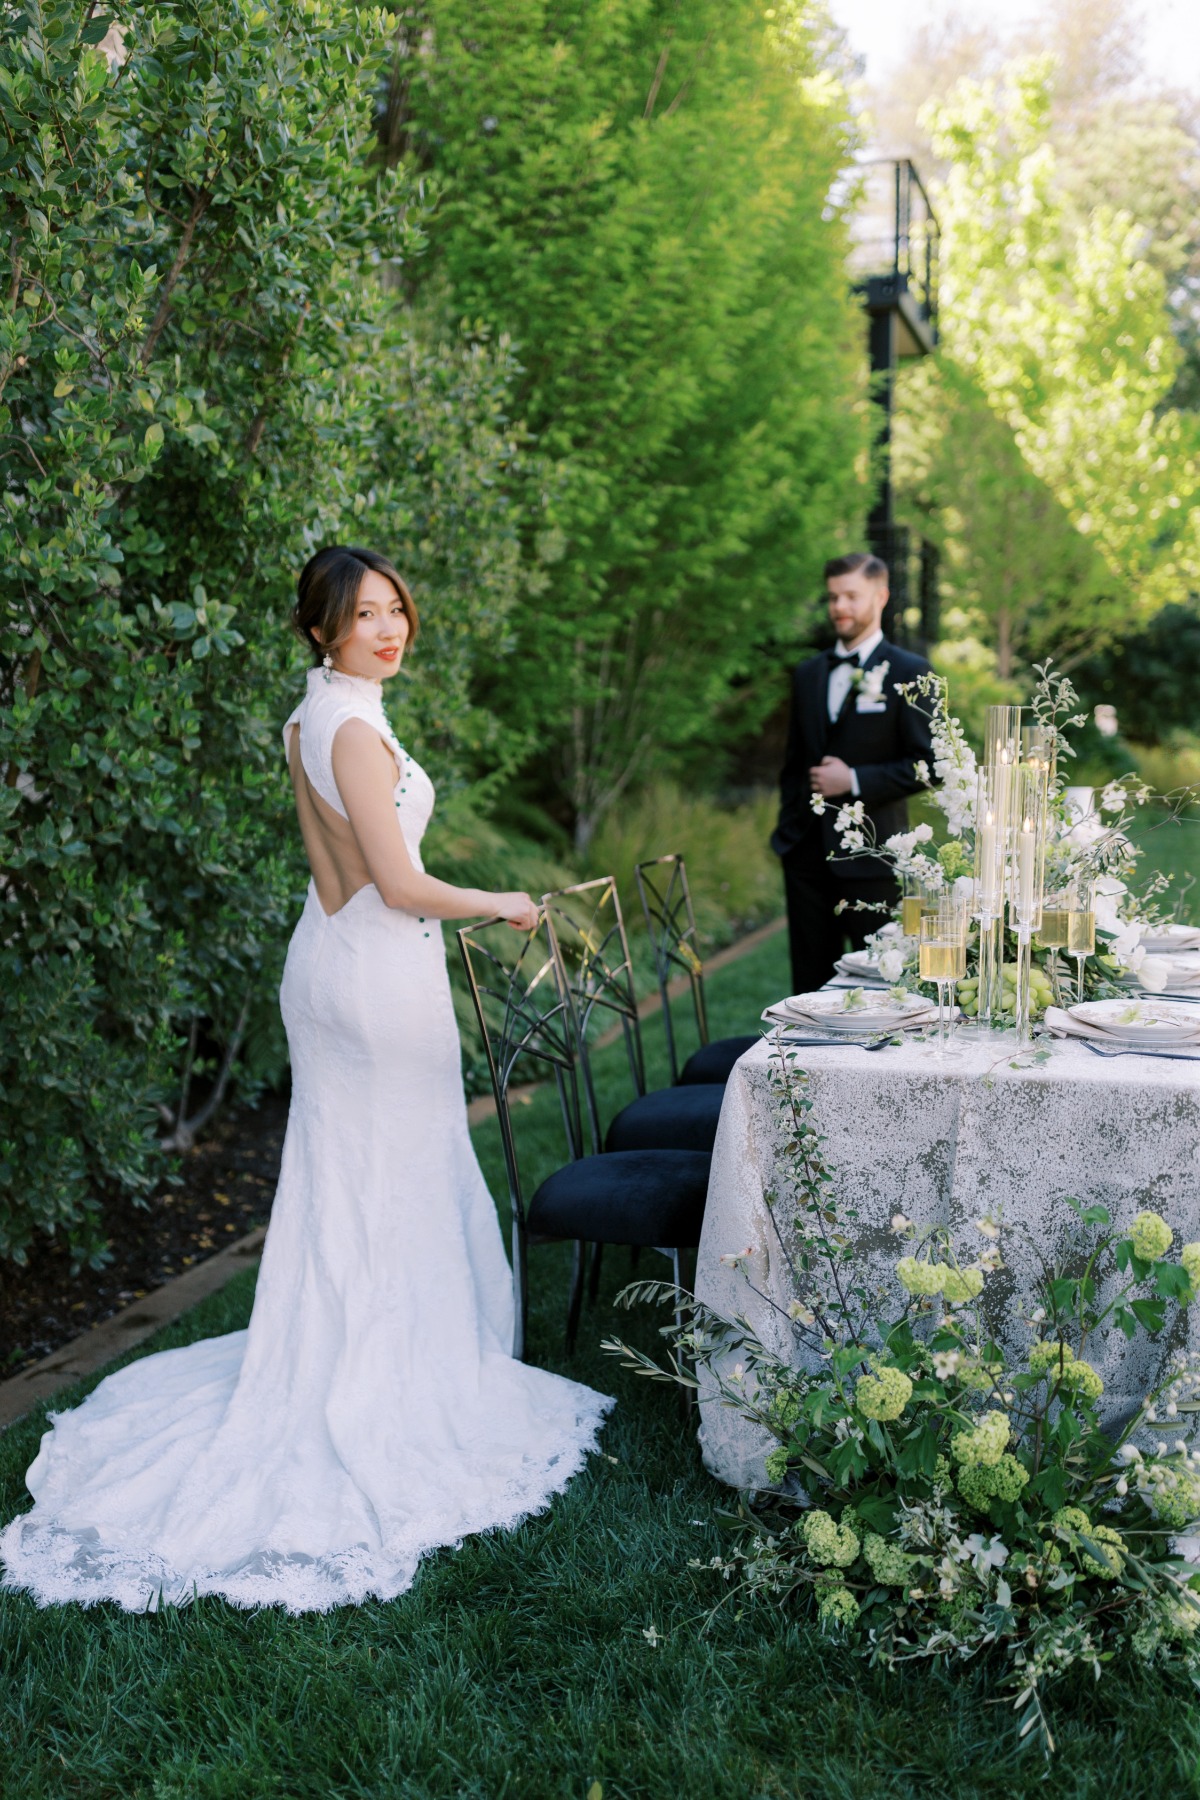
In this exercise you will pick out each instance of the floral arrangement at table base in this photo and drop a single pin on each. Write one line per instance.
(934, 1496)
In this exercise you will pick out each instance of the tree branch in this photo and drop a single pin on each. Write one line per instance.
(186, 1130)
(200, 206)
(32, 675)
(659, 72)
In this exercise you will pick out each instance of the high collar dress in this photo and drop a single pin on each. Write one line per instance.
(371, 1411)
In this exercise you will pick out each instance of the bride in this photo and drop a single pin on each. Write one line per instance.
(371, 1412)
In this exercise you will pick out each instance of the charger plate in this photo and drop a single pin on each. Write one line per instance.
(1140, 1021)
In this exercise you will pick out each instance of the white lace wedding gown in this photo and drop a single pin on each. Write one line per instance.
(371, 1412)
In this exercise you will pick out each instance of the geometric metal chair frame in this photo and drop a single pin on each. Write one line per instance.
(587, 935)
(587, 938)
(663, 887)
(525, 1019)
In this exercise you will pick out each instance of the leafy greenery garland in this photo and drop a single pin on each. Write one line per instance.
(932, 1495)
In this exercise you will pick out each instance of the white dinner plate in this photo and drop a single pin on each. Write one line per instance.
(829, 1010)
(859, 967)
(1183, 975)
(1140, 1021)
(1162, 939)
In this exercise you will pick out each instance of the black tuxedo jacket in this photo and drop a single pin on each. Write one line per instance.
(881, 746)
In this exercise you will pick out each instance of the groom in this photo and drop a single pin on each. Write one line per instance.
(851, 737)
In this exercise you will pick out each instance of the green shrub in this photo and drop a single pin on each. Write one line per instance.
(201, 381)
(733, 874)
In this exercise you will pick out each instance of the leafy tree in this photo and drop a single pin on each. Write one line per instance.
(640, 194)
(1151, 677)
(1012, 560)
(1072, 266)
(201, 379)
(1063, 324)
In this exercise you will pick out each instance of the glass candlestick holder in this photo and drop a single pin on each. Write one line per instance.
(1027, 875)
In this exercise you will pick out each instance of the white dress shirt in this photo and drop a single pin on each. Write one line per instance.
(840, 678)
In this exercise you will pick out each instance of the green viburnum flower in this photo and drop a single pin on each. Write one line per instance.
(921, 1278)
(890, 1565)
(1189, 1256)
(1152, 1236)
(828, 1543)
(837, 1606)
(883, 1395)
(953, 857)
(1076, 1521)
(980, 1377)
(1110, 1569)
(784, 1408)
(1181, 1619)
(1173, 1494)
(962, 1284)
(1049, 1356)
(1176, 1507)
(980, 1483)
(776, 1465)
(1081, 1378)
(985, 1445)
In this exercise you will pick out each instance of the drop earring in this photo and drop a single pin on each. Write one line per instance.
(327, 664)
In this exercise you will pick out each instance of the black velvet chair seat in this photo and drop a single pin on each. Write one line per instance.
(668, 1119)
(644, 1197)
(714, 1062)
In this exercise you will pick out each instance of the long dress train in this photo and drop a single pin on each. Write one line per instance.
(371, 1411)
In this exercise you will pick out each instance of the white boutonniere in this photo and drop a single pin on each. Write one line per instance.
(868, 683)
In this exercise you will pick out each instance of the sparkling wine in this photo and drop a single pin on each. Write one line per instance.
(1053, 933)
(910, 915)
(1081, 933)
(942, 962)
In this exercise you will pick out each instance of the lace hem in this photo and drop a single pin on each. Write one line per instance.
(58, 1566)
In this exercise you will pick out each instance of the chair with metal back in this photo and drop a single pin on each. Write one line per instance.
(667, 905)
(642, 1198)
(587, 934)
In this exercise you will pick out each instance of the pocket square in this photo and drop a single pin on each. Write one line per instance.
(863, 704)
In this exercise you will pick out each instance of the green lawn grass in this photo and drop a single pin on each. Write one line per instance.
(519, 1665)
(1170, 845)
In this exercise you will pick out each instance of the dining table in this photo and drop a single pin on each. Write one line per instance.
(996, 1132)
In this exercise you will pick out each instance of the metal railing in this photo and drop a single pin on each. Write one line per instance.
(896, 233)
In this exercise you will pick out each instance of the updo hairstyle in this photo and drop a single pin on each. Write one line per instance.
(327, 595)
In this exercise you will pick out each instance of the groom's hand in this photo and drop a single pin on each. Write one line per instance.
(831, 777)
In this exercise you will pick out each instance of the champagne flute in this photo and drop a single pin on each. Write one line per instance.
(910, 906)
(920, 896)
(942, 958)
(1052, 934)
(1081, 925)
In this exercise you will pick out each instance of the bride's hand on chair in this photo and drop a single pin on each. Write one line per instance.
(522, 913)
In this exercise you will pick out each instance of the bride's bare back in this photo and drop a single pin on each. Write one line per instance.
(367, 848)
(339, 868)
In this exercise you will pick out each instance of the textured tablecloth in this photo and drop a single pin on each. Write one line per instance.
(947, 1143)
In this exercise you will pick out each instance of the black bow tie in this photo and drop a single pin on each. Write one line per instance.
(836, 661)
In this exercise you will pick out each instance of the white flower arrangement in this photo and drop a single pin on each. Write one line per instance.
(1096, 843)
(868, 683)
(917, 1461)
